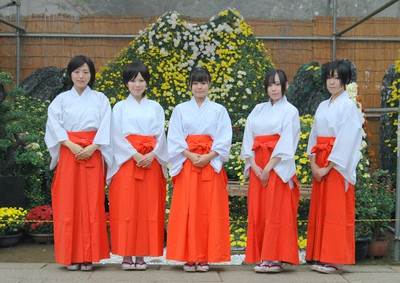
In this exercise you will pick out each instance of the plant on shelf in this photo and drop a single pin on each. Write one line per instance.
(39, 220)
(11, 220)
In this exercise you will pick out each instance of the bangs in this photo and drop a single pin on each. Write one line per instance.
(199, 77)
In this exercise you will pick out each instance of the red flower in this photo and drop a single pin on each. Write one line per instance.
(40, 219)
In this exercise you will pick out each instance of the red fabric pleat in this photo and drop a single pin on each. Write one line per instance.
(137, 205)
(198, 226)
(78, 197)
(272, 211)
(330, 233)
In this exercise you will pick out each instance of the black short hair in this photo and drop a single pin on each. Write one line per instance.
(199, 74)
(341, 67)
(132, 70)
(270, 78)
(77, 62)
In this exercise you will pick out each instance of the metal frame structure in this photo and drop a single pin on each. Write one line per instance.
(336, 36)
(18, 32)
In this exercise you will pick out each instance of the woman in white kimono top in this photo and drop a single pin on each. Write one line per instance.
(199, 140)
(138, 188)
(78, 139)
(333, 147)
(269, 145)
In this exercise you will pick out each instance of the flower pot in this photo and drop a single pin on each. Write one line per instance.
(42, 238)
(10, 240)
(362, 248)
(377, 248)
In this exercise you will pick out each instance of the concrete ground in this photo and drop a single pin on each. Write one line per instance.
(29, 262)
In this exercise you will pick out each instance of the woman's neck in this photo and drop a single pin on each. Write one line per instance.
(336, 95)
(200, 101)
(79, 90)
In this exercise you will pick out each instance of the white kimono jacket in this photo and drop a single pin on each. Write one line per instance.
(131, 118)
(342, 120)
(71, 112)
(189, 119)
(282, 118)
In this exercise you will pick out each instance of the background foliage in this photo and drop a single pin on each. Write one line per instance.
(389, 121)
(22, 147)
(171, 47)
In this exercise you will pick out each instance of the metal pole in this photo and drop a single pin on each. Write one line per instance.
(260, 37)
(397, 225)
(366, 17)
(11, 25)
(18, 44)
(334, 30)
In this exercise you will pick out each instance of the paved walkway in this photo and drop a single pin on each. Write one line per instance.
(29, 262)
(107, 273)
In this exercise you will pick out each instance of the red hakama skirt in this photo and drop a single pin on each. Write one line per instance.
(330, 233)
(137, 205)
(198, 226)
(78, 197)
(272, 211)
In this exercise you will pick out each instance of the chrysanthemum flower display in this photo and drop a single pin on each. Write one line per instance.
(390, 123)
(39, 220)
(11, 220)
(171, 48)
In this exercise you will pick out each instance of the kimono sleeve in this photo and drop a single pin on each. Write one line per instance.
(55, 133)
(122, 149)
(248, 138)
(289, 136)
(176, 142)
(346, 149)
(286, 147)
(161, 149)
(223, 139)
(103, 135)
(312, 139)
(247, 144)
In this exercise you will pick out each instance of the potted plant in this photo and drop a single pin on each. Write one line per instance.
(11, 224)
(39, 224)
(375, 200)
(384, 200)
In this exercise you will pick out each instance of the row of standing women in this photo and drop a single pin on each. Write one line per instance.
(89, 143)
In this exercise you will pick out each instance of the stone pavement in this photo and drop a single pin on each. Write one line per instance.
(28, 262)
(51, 272)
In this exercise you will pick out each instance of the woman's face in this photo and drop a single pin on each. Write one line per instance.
(334, 85)
(200, 89)
(137, 86)
(275, 90)
(81, 77)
